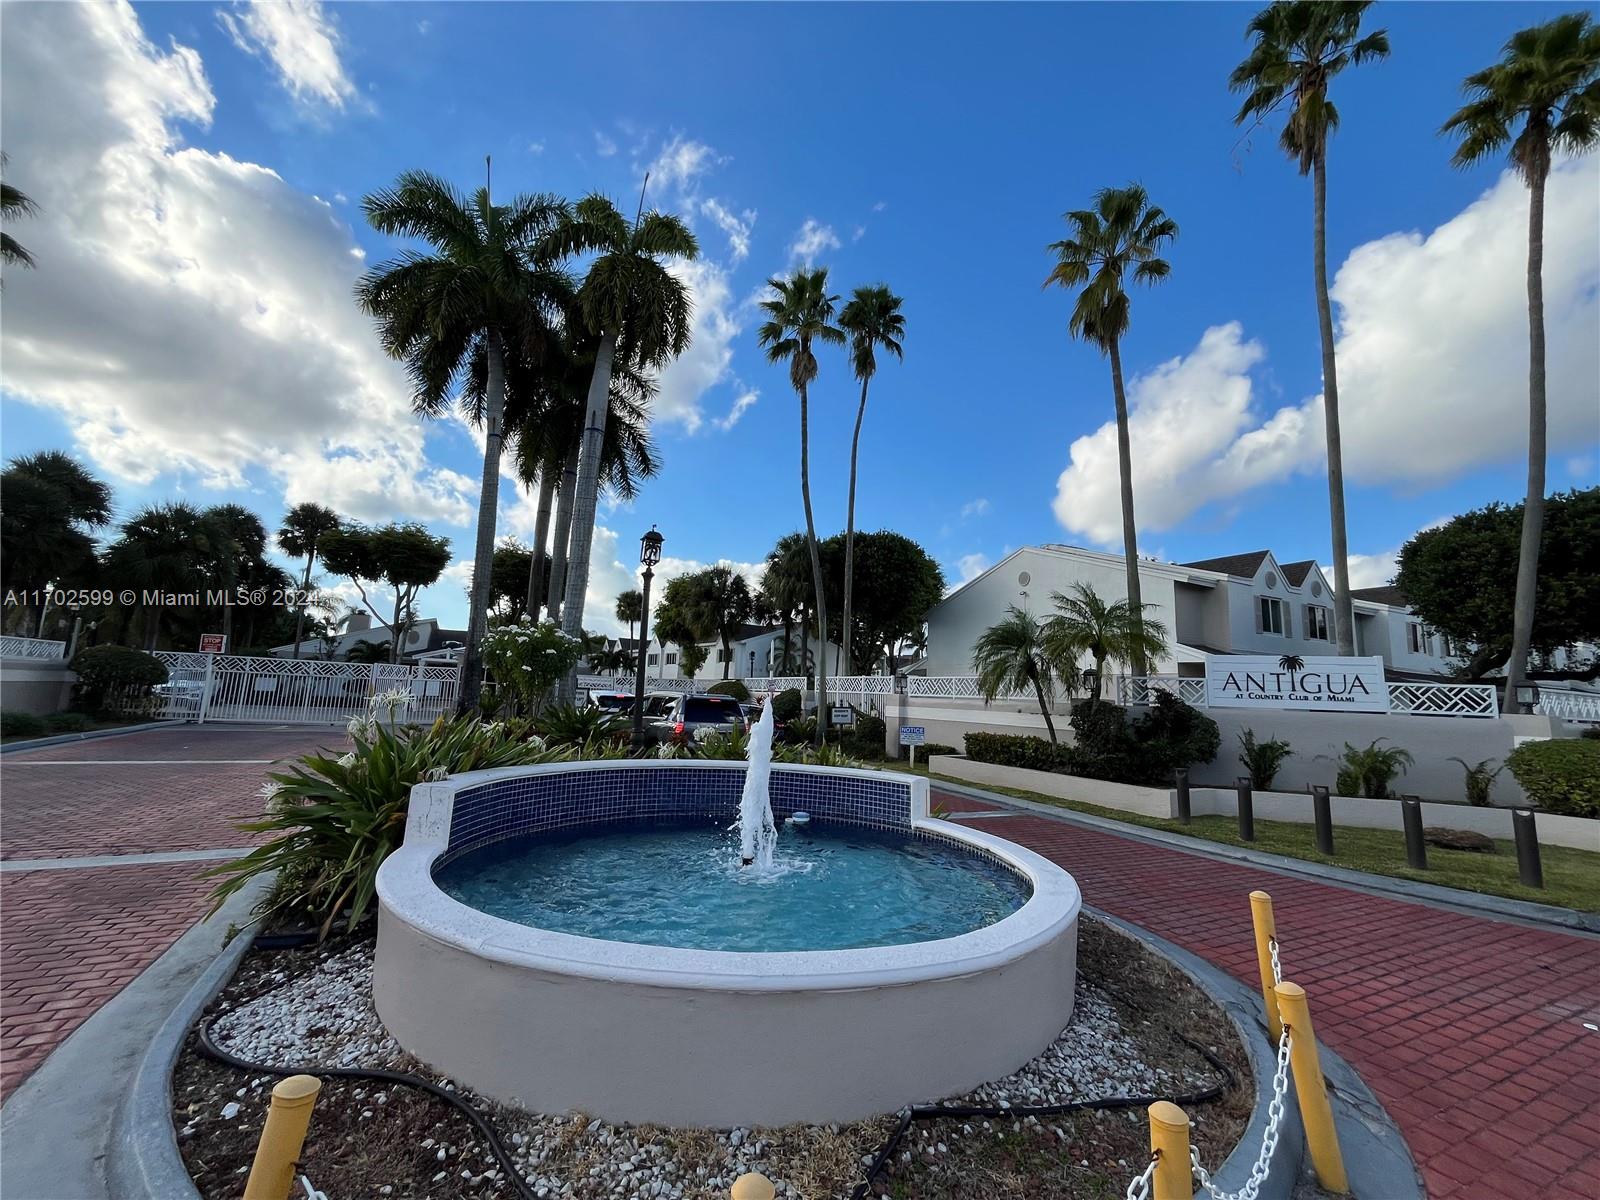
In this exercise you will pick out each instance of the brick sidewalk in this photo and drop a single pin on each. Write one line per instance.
(1469, 1029)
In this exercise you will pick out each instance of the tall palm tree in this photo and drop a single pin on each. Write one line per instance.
(303, 527)
(721, 606)
(1085, 624)
(14, 204)
(630, 607)
(1549, 82)
(1300, 46)
(641, 312)
(48, 506)
(1010, 655)
(800, 315)
(786, 589)
(489, 280)
(239, 554)
(1121, 236)
(163, 549)
(872, 318)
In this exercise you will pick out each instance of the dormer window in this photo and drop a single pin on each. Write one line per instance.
(1269, 615)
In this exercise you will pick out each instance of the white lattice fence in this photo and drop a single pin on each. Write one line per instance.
(1139, 689)
(1567, 705)
(25, 647)
(1443, 699)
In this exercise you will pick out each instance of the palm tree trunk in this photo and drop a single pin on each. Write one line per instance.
(727, 656)
(1533, 507)
(300, 615)
(483, 549)
(1130, 536)
(788, 651)
(816, 573)
(850, 532)
(541, 534)
(805, 643)
(1343, 611)
(558, 549)
(587, 501)
(1044, 709)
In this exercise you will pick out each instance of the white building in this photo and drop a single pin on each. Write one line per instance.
(756, 653)
(424, 638)
(1237, 604)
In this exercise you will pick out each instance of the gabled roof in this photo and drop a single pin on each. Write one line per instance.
(1387, 594)
(1244, 566)
(1296, 572)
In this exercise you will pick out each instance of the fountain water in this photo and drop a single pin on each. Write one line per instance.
(758, 834)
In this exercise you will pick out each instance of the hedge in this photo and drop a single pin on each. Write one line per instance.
(1020, 750)
(786, 705)
(731, 687)
(20, 724)
(103, 670)
(1561, 775)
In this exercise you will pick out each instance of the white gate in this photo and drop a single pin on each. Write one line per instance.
(233, 687)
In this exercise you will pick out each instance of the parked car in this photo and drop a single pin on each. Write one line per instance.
(700, 713)
(611, 701)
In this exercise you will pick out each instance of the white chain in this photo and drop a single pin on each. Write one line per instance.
(1277, 967)
(311, 1192)
(1269, 1140)
(1139, 1189)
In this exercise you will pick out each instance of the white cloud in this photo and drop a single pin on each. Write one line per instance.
(192, 313)
(1370, 570)
(707, 361)
(424, 26)
(968, 568)
(880, 206)
(736, 226)
(609, 577)
(603, 146)
(301, 40)
(535, 147)
(812, 239)
(681, 160)
(741, 405)
(861, 232)
(1432, 369)
(975, 508)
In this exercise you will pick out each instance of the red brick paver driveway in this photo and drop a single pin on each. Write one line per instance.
(71, 938)
(1470, 1029)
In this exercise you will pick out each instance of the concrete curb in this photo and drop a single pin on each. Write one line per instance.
(1549, 916)
(92, 735)
(1375, 1153)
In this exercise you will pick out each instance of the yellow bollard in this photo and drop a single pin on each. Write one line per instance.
(1169, 1142)
(1315, 1111)
(283, 1136)
(1266, 932)
(753, 1186)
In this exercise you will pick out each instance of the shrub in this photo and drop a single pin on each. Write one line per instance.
(1368, 771)
(1018, 750)
(865, 738)
(1592, 732)
(20, 725)
(565, 725)
(787, 705)
(731, 687)
(1262, 759)
(927, 751)
(1561, 775)
(527, 660)
(1480, 779)
(1172, 735)
(67, 722)
(800, 730)
(105, 671)
(335, 820)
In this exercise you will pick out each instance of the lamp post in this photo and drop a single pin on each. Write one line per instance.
(649, 555)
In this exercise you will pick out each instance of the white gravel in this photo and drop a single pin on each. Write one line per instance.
(326, 1019)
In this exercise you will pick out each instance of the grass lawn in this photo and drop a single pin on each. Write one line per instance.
(1571, 877)
(90, 727)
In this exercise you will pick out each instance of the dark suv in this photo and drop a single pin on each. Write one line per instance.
(689, 716)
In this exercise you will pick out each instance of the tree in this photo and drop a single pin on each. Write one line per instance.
(1010, 656)
(304, 526)
(786, 589)
(508, 577)
(48, 506)
(800, 315)
(871, 319)
(488, 282)
(14, 204)
(1548, 82)
(1108, 633)
(1460, 578)
(630, 608)
(1300, 46)
(239, 557)
(641, 313)
(719, 606)
(678, 619)
(1121, 236)
(897, 582)
(164, 550)
(406, 558)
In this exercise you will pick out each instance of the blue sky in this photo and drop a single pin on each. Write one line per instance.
(189, 327)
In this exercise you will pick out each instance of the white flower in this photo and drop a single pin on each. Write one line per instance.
(347, 760)
(270, 790)
(436, 774)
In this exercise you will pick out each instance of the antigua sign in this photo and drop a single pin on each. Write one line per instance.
(1319, 684)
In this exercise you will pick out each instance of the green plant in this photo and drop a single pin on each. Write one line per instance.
(730, 687)
(1010, 655)
(733, 745)
(1107, 632)
(566, 725)
(1262, 759)
(787, 705)
(865, 738)
(927, 750)
(67, 722)
(527, 659)
(801, 729)
(1592, 733)
(104, 670)
(334, 820)
(1018, 750)
(1560, 775)
(20, 725)
(1172, 735)
(1480, 779)
(1368, 771)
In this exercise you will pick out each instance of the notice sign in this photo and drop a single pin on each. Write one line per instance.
(213, 643)
(913, 735)
(1288, 681)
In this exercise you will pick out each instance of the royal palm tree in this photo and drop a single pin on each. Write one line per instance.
(14, 204)
(1120, 237)
(641, 312)
(1108, 633)
(630, 607)
(871, 319)
(800, 315)
(1548, 83)
(1300, 46)
(303, 527)
(1010, 655)
(488, 281)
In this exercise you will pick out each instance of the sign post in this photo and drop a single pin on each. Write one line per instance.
(213, 643)
(913, 736)
(841, 714)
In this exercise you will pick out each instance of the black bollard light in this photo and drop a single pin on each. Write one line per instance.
(1247, 810)
(1322, 813)
(1416, 848)
(1181, 781)
(1529, 868)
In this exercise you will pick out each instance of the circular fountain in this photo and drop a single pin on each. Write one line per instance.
(636, 940)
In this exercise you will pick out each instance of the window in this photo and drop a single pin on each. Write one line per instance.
(651, 660)
(1317, 623)
(672, 658)
(1446, 647)
(1271, 615)
(1416, 638)
(724, 656)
